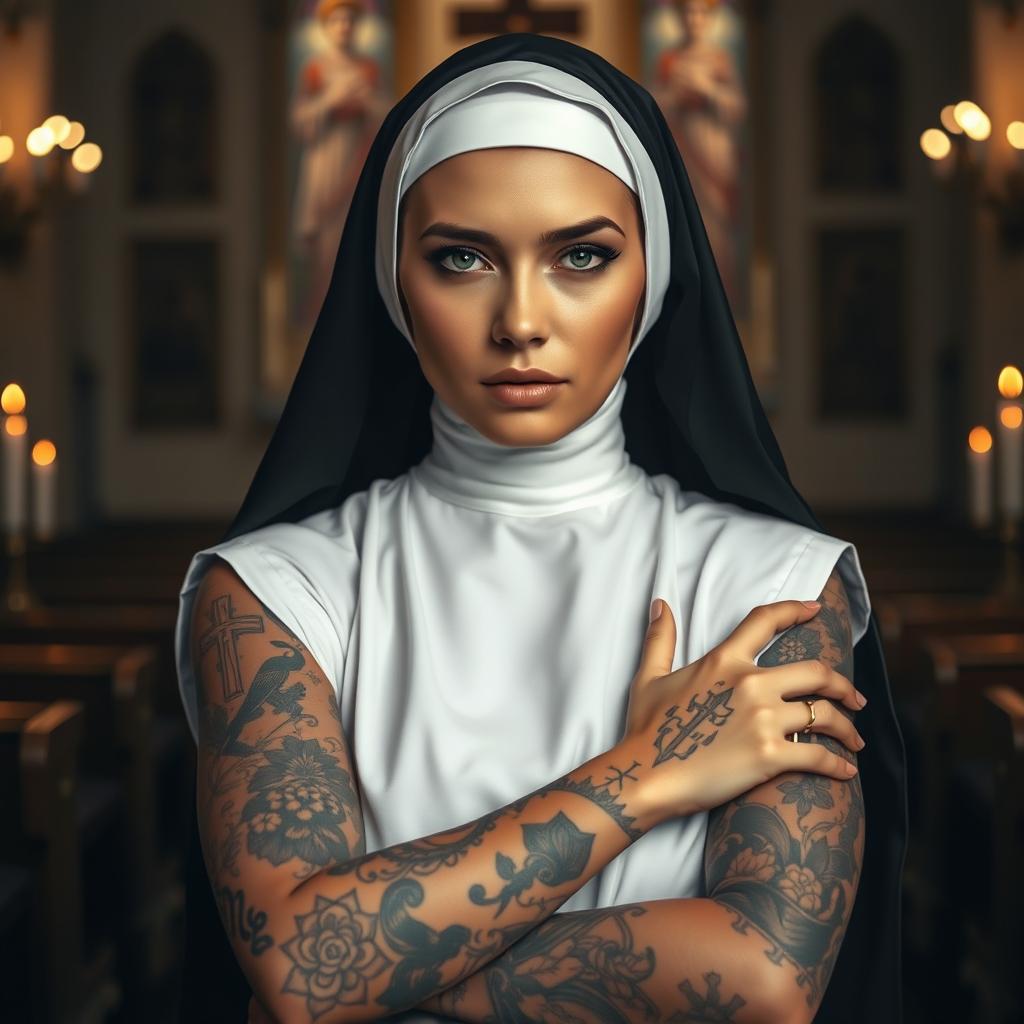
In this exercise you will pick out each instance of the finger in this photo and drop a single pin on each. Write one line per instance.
(764, 621)
(811, 676)
(659, 644)
(817, 758)
(828, 720)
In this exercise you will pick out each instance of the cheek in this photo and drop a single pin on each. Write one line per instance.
(604, 314)
(442, 316)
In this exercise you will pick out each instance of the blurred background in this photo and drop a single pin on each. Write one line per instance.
(174, 177)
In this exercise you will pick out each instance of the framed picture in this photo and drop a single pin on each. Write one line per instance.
(328, 85)
(703, 60)
(174, 331)
(861, 322)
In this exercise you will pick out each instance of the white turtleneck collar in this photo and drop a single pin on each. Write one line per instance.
(588, 466)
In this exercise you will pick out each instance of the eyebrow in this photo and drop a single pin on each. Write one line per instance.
(566, 234)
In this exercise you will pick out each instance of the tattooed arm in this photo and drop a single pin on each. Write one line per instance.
(782, 864)
(324, 931)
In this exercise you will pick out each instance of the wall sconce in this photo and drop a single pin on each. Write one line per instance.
(61, 162)
(959, 151)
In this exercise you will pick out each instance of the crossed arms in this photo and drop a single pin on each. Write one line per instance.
(463, 923)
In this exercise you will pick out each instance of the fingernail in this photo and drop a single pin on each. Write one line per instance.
(812, 604)
(656, 609)
(861, 699)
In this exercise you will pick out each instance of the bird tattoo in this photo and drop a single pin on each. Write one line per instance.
(266, 688)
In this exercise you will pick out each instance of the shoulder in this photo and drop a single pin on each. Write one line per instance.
(732, 559)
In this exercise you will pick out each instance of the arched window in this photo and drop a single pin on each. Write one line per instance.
(858, 90)
(174, 113)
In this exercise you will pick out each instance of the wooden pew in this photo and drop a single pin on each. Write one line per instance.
(958, 844)
(114, 686)
(50, 812)
(116, 625)
(906, 616)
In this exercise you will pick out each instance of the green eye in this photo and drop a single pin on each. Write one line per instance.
(461, 260)
(581, 257)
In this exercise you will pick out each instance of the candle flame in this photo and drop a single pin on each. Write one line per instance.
(44, 452)
(87, 157)
(935, 143)
(974, 121)
(40, 141)
(12, 399)
(1011, 383)
(16, 425)
(59, 127)
(979, 440)
(76, 132)
(1011, 416)
(948, 119)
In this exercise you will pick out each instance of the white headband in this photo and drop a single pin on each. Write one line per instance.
(518, 115)
(520, 103)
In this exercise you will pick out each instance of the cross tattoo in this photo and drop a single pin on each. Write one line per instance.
(620, 775)
(517, 16)
(707, 711)
(225, 632)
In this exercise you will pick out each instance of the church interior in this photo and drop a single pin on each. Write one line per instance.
(170, 208)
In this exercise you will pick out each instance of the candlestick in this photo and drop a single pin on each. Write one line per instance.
(44, 490)
(1010, 442)
(15, 440)
(979, 475)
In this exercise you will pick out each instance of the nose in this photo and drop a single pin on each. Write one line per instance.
(522, 315)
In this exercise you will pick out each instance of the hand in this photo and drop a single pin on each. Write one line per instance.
(718, 727)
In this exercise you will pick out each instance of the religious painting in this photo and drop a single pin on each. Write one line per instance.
(329, 86)
(427, 33)
(174, 132)
(862, 322)
(859, 104)
(174, 332)
(698, 65)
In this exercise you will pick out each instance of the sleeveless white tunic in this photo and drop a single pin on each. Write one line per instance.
(482, 615)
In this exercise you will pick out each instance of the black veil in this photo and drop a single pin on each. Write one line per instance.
(359, 410)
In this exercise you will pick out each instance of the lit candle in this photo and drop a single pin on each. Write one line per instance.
(44, 490)
(979, 476)
(15, 440)
(1010, 442)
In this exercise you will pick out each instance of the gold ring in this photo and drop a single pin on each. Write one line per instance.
(807, 728)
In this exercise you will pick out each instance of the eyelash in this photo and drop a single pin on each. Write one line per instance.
(605, 252)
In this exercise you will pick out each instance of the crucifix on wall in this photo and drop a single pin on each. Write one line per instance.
(518, 16)
(426, 33)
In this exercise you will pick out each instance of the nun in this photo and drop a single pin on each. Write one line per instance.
(508, 699)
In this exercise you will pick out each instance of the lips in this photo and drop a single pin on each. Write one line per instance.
(511, 376)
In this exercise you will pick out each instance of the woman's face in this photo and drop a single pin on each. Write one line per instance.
(521, 258)
(695, 19)
(339, 25)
